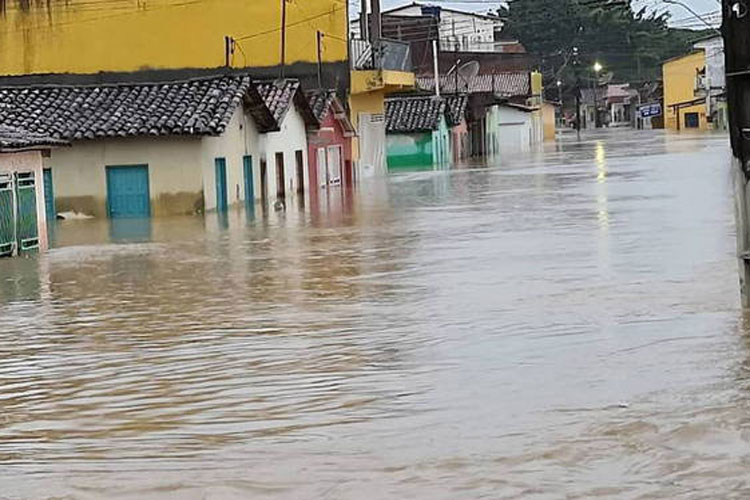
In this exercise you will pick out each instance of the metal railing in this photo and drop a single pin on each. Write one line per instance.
(382, 54)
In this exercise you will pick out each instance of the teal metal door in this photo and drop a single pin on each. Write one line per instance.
(221, 185)
(27, 229)
(128, 193)
(7, 216)
(247, 166)
(49, 196)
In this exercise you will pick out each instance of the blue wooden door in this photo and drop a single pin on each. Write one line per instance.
(49, 195)
(221, 184)
(247, 166)
(128, 192)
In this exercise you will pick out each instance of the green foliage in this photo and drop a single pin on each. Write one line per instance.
(629, 44)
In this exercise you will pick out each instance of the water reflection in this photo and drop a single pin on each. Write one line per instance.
(558, 322)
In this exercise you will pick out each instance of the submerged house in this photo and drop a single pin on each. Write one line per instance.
(330, 147)
(513, 128)
(286, 146)
(418, 134)
(23, 211)
(167, 148)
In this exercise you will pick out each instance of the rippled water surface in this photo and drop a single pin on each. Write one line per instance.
(560, 325)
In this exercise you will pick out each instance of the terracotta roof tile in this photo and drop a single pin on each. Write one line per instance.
(507, 84)
(414, 114)
(189, 107)
(12, 139)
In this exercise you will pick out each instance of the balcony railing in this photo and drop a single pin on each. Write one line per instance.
(383, 54)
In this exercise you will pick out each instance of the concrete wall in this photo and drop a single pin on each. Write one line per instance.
(291, 138)
(30, 161)
(714, 49)
(175, 177)
(410, 150)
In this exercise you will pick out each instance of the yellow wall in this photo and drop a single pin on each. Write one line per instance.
(88, 36)
(679, 86)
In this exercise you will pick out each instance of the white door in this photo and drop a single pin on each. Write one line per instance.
(372, 144)
(322, 168)
(334, 164)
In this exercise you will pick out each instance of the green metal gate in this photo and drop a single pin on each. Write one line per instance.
(7, 216)
(19, 230)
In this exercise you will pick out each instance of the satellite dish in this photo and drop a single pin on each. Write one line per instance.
(469, 70)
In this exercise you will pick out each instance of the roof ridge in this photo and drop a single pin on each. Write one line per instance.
(124, 83)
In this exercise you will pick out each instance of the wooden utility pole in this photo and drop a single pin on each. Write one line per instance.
(282, 69)
(363, 27)
(376, 31)
(736, 31)
(319, 37)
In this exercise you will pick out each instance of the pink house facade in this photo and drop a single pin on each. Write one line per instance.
(330, 147)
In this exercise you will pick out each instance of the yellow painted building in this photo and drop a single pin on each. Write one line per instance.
(90, 36)
(683, 109)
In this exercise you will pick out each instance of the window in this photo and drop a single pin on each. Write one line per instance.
(692, 120)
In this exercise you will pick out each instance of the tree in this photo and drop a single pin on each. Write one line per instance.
(631, 45)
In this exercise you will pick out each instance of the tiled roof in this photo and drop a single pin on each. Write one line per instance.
(587, 96)
(507, 84)
(457, 108)
(15, 139)
(189, 107)
(414, 114)
(320, 102)
(279, 97)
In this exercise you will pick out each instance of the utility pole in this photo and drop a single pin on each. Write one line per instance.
(736, 31)
(282, 69)
(436, 67)
(363, 27)
(376, 32)
(319, 37)
(578, 92)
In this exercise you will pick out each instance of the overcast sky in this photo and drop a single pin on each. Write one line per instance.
(680, 15)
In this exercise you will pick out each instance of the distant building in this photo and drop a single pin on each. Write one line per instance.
(684, 110)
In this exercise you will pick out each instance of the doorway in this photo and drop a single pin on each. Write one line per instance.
(221, 185)
(300, 171)
(128, 191)
(263, 181)
(280, 177)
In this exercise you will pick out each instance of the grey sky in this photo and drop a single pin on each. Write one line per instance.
(679, 14)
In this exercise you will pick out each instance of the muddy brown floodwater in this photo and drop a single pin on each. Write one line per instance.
(558, 325)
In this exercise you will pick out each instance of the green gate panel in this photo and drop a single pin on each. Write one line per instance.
(7, 216)
(128, 194)
(27, 232)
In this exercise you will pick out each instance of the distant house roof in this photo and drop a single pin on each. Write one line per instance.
(588, 96)
(506, 84)
(414, 114)
(199, 107)
(323, 102)
(281, 95)
(14, 139)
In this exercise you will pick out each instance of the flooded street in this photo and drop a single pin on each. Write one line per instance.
(559, 325)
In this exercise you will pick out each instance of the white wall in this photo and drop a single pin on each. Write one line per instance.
(473, 33)
(241, 138)
(291, 138)
(516, 130)
(714, 49)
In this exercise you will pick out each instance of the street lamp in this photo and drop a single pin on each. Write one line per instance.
(594, 85)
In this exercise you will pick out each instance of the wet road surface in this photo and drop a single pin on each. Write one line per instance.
(560, 325)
